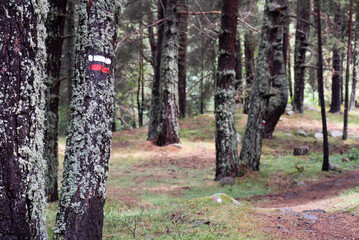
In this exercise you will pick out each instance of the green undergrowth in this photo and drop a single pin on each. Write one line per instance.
(150, 188)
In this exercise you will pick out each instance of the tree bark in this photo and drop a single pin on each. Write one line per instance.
(249, 48)
(22, 102)
(55, 28)
(355, 59)
(227, 161)
(168, 123)
(321, 87)
(238, 67)
(155, 99)
(336, 78)
(346, 103)
(88, 145)
(182, 57)
(268, 79)
(301, 42)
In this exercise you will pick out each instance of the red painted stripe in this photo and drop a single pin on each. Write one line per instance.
(96, 67)
(105, 70)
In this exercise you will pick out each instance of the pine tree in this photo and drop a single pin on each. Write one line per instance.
(82, 196)
(227, 161)
(269, 76)
(22, 75)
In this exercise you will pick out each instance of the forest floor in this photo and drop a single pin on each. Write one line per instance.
(164, 192)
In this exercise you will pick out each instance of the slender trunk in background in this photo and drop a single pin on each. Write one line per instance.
(202, 76)
(151, 35)
(249, 48)
(88, 145)
(227, 161)
(155, 98)
(286, 49)
(168, 88)
(301, 44)
(70, 43)
(346, 103)
(267, 84)
(321, 87)
(55, 29)
(336, 78)
(140, 100)
(289, 75)
(355, 59)
(22, 103)
(182, 56)
(238, 68)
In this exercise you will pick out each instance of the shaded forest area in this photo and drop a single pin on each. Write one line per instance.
(129, 117)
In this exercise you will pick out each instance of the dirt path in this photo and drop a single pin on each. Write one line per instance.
(303, 212)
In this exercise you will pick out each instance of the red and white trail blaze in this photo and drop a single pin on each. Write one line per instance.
(99, 67)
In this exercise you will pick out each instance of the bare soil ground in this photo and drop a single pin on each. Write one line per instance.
(304, 212)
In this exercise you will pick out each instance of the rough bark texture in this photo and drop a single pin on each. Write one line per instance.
(336, 78)
(168, 123)
(22, 102)
(249, 47)
(279, 85)
(182, 57)
(268, 78)
(346, 103)
(321, 87)
(69, 55)
(80, 214)
(301, 43)
(238, 67)
(155, 99)
(227, 161)
(55, 29)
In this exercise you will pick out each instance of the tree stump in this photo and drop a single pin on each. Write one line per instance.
(302, 150)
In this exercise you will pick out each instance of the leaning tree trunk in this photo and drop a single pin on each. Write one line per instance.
(279, 86)
(269, 75)
(80, 213)
(336, 78)
(249, 48)
(168, 121)
(227, 161)
(321, 87)
(346, 103)
(22, 102)
(55, 29)
(155, 99)
(182, 57)
(301, 43)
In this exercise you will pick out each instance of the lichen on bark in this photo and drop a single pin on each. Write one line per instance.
(268, 84)
(22, 185)
(83, 191)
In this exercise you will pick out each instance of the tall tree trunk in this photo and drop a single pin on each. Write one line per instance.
(321, 87)
(289, 75)
(55, 29)
(249, 48)
(238, 67)
(22, 102)
(227, 161)
(80, 213)
(182, 56)
(140, 83)
(201, 87)
(169, 125)
(155, 98)
(301, 43)
(268, 78)
(286, 50)
(336, 78)
(346, 104)
(355, 59)
(70, 25)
